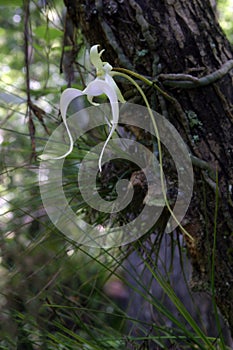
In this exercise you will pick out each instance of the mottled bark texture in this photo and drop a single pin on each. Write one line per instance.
(157, 38)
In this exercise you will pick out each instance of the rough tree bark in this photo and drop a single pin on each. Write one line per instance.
(160, 38)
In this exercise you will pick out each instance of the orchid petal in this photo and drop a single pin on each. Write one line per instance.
(101, 52)
(109, 80)
(66, 98)
(90, 99)
(106, 67)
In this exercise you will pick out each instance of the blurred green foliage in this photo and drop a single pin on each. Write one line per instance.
(225, 12)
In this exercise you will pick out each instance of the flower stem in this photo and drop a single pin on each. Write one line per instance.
(148, 82)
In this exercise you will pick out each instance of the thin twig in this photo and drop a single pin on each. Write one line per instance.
(27, 32)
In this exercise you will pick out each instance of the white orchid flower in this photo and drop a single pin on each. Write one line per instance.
(102, 84)
(103, 70)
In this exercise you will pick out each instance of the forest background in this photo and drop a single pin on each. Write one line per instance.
(55, 294)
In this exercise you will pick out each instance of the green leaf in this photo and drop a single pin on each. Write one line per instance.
(47, 33)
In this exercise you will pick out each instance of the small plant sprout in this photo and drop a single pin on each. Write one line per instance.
(102, 84)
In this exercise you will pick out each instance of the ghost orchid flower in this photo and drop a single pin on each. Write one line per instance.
(103, 70)
(102, 84)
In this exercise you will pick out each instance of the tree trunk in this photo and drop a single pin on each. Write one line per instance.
(180, 44)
